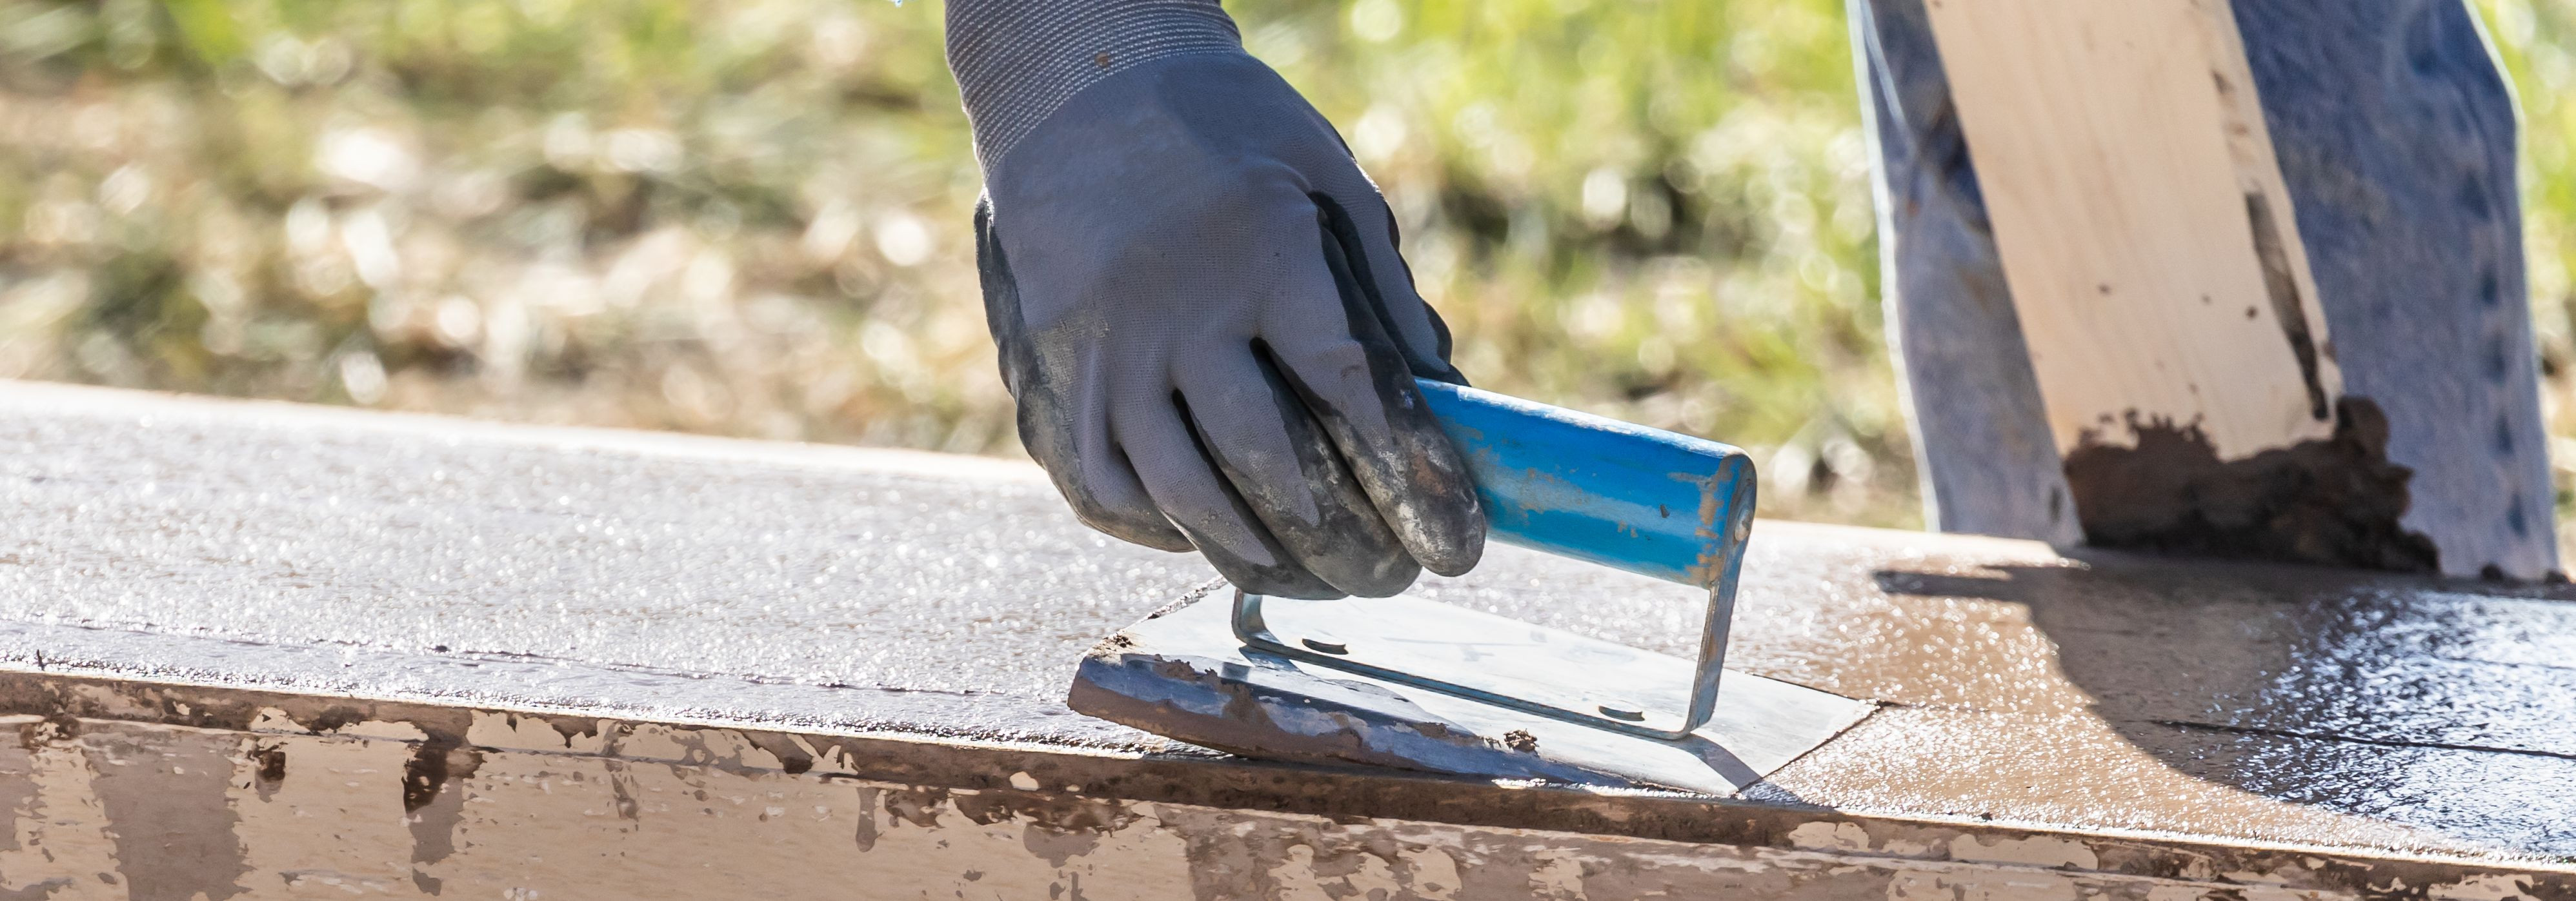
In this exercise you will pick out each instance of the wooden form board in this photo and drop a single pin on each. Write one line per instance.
(2141, 218)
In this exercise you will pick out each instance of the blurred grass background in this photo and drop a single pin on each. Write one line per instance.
(749, 217)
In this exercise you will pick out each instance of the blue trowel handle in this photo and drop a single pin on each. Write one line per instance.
(1592, 488)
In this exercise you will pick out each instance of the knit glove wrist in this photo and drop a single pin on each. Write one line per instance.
(1016, 61)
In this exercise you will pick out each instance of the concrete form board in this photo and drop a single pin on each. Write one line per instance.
(245, 587)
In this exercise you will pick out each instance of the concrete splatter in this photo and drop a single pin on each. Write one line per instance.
(166, 794)
(547, 823)
(433, 799)
(2159, 485)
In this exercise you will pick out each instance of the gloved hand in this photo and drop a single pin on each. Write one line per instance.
(1199, 304)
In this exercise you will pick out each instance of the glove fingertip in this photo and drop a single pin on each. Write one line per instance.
(1456, 559)
(1271, 581)
(1444, 524)
(1148, 529)
(1388, 583)
(1164, 539)
(1453, 545)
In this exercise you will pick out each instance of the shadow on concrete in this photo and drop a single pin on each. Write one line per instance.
(2447, 705)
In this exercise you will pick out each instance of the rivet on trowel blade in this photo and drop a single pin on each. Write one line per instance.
(1328, 647)
(1617, 711)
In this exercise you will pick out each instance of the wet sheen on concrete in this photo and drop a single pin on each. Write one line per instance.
(235, 570)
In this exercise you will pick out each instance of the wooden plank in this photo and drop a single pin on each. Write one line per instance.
(2144, 229)
(410, 802)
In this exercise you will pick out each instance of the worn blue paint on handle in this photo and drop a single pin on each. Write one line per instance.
(1622, 495)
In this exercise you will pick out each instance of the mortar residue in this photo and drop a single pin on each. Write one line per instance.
(2335, 501)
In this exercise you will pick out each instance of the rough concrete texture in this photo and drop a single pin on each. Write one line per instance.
(441, 657)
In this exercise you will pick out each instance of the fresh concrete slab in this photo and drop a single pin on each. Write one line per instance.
(306, 651)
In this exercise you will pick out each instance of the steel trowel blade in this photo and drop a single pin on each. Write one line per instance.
(1183, 674)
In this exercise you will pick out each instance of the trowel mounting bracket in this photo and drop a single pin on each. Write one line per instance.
(1552, 673)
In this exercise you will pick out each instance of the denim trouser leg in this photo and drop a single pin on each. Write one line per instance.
(2395, 135)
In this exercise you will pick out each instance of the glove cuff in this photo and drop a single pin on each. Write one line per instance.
(1016, 61)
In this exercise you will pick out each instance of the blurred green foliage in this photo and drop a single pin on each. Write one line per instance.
(749, 217)
(2537, 41)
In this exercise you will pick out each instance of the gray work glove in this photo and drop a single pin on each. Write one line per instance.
(1199, 303)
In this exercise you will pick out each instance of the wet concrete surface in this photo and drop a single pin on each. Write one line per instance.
(314, 550)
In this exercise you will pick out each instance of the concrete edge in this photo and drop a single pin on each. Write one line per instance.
(64, 692)
(98, 402)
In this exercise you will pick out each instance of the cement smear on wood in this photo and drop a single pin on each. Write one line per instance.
(532, 809)
(2336, 501)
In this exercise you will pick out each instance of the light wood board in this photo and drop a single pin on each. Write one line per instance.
(2136, 203)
